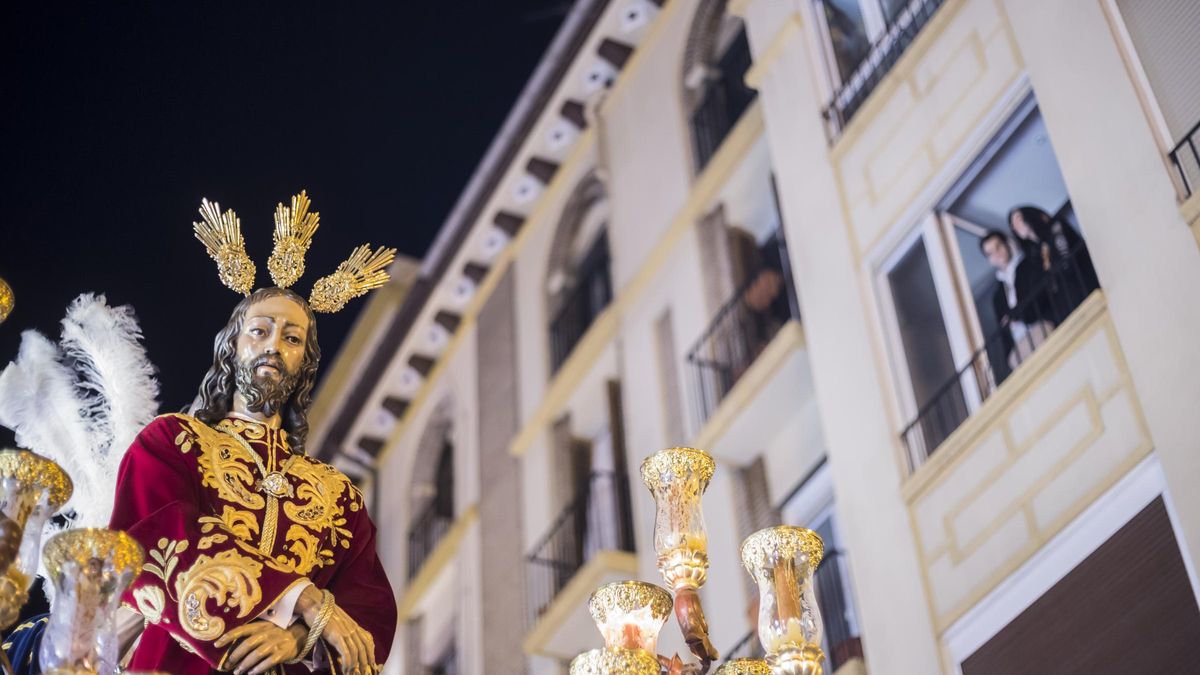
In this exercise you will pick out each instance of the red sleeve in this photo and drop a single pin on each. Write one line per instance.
(361, 587)
(199, 580)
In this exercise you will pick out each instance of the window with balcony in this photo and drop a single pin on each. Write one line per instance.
(591, 483)
(579, 282)
(982, 281)
(751, 261)
(1165, 40)
(436, 515)
(810, 504)
(862, 41)
(716, 59)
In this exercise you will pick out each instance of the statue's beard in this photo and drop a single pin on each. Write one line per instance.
(264, 395)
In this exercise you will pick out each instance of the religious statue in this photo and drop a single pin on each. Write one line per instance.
(259, 558)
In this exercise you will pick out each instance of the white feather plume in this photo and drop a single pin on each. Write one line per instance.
(39, 403)
(81, 403)
(116, 386)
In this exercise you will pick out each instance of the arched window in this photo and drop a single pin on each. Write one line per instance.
(715, 60)
(578, 281)
(432, 492)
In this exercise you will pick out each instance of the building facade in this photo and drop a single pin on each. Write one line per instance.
(920, 275)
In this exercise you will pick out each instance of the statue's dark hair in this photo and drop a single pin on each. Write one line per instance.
(215, 399)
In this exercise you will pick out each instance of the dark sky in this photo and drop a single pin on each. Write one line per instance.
(119, 117)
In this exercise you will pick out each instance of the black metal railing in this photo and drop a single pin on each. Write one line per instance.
(724, 101)
(597, 519)
(1187, 164)
(1051, 299)
(842, 641)
(425, 533)
(882, 57)
(591, 293)
(741, 329)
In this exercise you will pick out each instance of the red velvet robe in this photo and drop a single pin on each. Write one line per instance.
(220, 551)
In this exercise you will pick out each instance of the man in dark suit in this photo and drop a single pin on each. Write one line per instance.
(1018, 297)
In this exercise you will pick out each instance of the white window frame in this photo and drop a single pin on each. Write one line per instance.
(1054, 560)
(946, 265)
(948, 285)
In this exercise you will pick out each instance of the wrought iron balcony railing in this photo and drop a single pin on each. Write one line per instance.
(588, 297)
(425, 533)
(1064, 287)
(597, 519)
(725, 99)
(742, 328)
(842, 641)
(1186, 160)
(882, 57)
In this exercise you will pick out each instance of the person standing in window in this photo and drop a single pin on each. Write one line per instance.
(1062, 253)
(1020, 310)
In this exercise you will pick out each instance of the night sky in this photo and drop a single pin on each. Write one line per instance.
(119, 117)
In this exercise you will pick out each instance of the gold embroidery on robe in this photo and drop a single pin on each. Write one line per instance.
(317, 510)
(241, 524)
(225, 464)
(228, 578)
(150, 602)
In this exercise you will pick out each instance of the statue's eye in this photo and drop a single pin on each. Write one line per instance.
(293, 339)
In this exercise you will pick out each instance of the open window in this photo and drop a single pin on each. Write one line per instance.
(716, 59)
(982, 281)
(862, 40)
(578, 280)
(432, 490)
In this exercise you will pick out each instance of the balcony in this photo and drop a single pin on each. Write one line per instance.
(882, 57)
(1065, 427)
(589, 544)
(1070, 280)
(426, 531)
(1186, 160)
(725, 99)
(590, 294)
(741, 331)
(842, 644)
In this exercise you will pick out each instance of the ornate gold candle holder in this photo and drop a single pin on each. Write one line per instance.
(744, 667)
(608, 661)
(782, 561)
(630, 614)
(678, 477)
(89, 568)
(32, 488)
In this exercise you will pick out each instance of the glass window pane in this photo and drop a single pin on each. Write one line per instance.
(926, 346)
(891, 9)
(847, 33)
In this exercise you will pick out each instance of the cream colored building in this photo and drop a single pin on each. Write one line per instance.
(754, 227)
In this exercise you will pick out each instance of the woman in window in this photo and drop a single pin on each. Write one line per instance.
(1063, 255)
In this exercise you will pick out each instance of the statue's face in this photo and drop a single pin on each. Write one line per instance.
(270, 350)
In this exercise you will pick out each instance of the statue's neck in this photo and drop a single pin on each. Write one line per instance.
(240, 410)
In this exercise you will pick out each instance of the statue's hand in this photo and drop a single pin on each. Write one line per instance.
(355, 646)
(263, 646)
